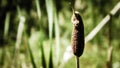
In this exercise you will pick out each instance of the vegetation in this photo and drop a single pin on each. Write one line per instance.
(37, 34)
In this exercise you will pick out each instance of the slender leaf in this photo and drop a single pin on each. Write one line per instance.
(49, 6)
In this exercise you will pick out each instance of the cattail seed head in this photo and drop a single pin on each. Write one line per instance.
(77, 34)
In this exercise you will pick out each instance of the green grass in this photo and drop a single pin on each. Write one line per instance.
(49, 7)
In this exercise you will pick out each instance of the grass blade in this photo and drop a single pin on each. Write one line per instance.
(19, 37)
(43, 56)
(57, 37)
(49, 6)
(6, 27)
(42, 37)
(38, 8)
(31, 55)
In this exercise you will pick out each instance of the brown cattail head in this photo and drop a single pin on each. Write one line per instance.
(77, 34)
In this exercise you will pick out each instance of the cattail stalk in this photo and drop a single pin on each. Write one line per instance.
(77, 62)
(77, 36)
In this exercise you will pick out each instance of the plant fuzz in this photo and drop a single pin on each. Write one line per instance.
(77, 34)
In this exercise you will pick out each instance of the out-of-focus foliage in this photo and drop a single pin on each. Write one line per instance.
(39, 34)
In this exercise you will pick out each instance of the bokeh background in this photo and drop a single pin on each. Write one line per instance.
(37, 34)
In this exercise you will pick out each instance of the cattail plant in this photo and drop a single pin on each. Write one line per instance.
(77, 36)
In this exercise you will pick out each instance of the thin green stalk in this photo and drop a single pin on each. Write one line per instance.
(41, 46)
(6, 27)
(77, 62)
(49, 7)
(19, 37)
(19, 11)
(31, 56)
(30, 51)
(43, 56)
(19, 32)
(42, 37)
(50, 60)
(57, 37)
(38, 8)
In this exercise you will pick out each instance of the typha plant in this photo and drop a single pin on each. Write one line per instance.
(77, 39)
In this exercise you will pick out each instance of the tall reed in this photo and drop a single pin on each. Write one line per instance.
(5, 36)
(49, 7)
(29, 50)
(57, 36)
(41, 36)
(18, 38)
(77, 39)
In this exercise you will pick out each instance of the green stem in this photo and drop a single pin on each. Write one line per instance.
(77, 62)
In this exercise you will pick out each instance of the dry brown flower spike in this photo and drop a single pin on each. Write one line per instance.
(77, 39)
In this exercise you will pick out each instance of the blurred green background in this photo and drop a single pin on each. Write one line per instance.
(37, 34)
